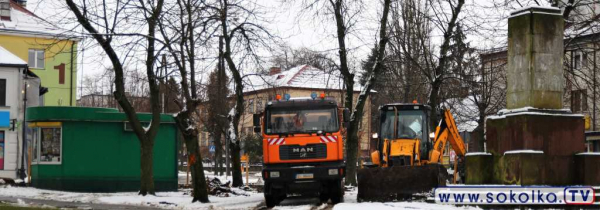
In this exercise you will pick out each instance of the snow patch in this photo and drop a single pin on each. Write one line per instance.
(528, 10)
(588, 153)
(146, 128)
(167, 200)
(525, 151)
(477, 153)
(465, 112)
(529, 109)
(231, 130)
(8, 58)
(533, 111)
(303, 76)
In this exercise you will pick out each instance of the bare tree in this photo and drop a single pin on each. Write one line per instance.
(216, 108)
(179, 29)
(101, 21)
(288, 58)
(242, 34)
(340, 14)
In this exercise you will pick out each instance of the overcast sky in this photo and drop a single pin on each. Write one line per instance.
(303, 30)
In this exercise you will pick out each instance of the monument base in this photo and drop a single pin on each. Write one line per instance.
(534, 147)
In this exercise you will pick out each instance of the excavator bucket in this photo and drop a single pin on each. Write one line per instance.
(399, 182)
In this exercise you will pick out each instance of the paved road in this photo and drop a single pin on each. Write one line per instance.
(73, 205)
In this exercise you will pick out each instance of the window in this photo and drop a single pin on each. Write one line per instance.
(36, 59)
(577, 61)
(579, 101)
(36, 154)
(259, 105)
(301, 120)
(2, 92)
(251, 106)
(50, 145)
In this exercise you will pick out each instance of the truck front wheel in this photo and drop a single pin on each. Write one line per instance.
(273, 196)
(337, 192)
(271, 200)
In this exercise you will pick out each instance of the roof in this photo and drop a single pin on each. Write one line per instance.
(465, 112)
(9, 59)
(303, 76)
(69, 113)
(303, 102)
(24, 22)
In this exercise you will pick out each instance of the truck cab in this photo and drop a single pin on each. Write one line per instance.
(302, 148)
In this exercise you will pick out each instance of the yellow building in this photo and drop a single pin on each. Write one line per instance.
(49, 52)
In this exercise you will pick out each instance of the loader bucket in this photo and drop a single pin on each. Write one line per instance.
(399, 182)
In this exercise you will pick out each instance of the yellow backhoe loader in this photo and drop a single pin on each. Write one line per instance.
(408, 157)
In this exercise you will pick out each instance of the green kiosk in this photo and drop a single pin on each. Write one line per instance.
(89, 149)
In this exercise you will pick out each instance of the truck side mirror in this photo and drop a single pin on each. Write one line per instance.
(346, 115)
(256, 120)
(256, 129)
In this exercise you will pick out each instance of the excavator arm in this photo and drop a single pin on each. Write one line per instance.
(444, 133)
(447, 132)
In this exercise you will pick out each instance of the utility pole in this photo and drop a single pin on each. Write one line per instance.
(595, 84)
(162, 77)
(220, 82)
(21, 172)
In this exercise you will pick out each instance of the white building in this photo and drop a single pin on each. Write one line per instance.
(14, 76)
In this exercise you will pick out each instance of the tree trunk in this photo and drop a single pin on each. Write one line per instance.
(218, 167)
(480, 132)
(352, 152)
(236, 164)
(146, 162)
(351, 137)
(433, 103)
(199, 192)
(190, 137)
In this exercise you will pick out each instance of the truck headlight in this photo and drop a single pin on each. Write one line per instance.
(333, 171)
(274, 174)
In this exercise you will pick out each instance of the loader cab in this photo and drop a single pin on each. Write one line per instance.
(406, 121)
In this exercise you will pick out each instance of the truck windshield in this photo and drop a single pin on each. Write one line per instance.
(301, 121)
(410, 125)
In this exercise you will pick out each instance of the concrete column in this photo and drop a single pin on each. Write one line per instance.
(535, 58)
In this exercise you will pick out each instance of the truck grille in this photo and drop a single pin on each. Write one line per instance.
(297, 152)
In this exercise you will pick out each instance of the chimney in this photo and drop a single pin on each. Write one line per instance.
(272, 70)
(5, 10)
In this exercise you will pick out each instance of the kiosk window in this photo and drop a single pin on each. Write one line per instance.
(50, 145)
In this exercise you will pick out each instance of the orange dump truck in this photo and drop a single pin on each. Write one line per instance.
(303, 150)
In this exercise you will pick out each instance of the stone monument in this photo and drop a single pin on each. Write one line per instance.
(534, 141)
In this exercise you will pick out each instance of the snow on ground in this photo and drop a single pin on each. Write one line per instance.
(351, 204)
(395, 205)
(167, 200)
(182, 199)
